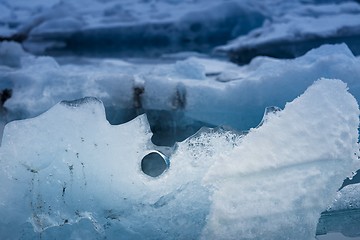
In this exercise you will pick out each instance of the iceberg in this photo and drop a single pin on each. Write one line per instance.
(129, 27)
(299, 31)
(69, 173)
(152, 28)
(175, 96)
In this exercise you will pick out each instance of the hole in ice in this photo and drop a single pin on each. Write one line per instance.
(154, 164)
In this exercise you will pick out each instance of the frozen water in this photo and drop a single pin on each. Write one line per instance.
(132, 27)
(264, 185)
(90, 178)
(343, 215)
(347, 198)
(69, 174)
(298, 31)
(175, 96)
(138, 27)
(77, 176)
(268, 82)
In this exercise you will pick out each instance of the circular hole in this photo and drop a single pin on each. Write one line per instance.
(153, 164)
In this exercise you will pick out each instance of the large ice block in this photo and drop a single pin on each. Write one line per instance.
(68, 173)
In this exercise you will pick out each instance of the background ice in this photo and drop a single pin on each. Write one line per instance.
(175, 96)
(150, 28)
(70, 180)
(135, 26)
(298, 31)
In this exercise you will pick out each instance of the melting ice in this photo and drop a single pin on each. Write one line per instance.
(69, 174)
(77, 176)
(175, 97)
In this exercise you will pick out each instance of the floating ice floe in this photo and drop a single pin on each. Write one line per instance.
(69, 173)
(127, 27)
(133, 28)
(177, 97)
(299, 31)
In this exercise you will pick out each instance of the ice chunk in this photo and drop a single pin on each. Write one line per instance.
(69, 173)
(343, 215)
(50, 83)
(284, 174)
(82, 170)
(135, 28)
(268, 82)
(298, 31)
(128, 89)
(347, 198)
(170, 93)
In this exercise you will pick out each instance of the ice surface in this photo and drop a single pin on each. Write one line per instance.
(298, 31)
(54, 166)
(343, 215)
(347, 198)
(268, 82)
(277, 180)
(89, 173)
(69, 173)
(138, 27)
(128, 89)
(175, 96)
(152, 28)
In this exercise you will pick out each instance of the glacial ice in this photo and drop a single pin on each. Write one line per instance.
(132, 27)
(152, 28)
(64, 157)
(299, 31)
(347, 198)
(69, 173)
(342, 216)
(175, 96)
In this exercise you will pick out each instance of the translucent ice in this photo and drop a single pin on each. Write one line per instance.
(343, 215)
(347, 198)
(298, 31)
(175, 96)
(69, 173)
(281, 177)
(77, 171)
